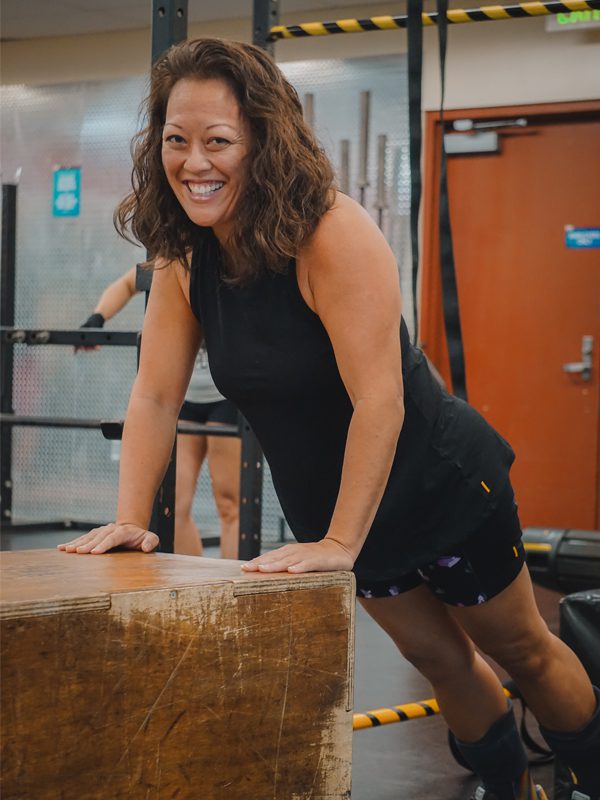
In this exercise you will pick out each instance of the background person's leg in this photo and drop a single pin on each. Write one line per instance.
(223, 453)
(191, 451)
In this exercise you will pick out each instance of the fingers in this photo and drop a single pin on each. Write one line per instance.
(303, 566)
(281, 560)
(83, 540)
(320, 556)
(102, 544)
(270, 562)
(150, 542)
(101, 540)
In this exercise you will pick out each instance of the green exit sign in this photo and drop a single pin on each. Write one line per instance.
(574, 20)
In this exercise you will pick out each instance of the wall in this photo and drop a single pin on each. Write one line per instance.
(499, 63)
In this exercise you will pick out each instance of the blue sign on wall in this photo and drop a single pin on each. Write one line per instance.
(582, 237)
(66, 192)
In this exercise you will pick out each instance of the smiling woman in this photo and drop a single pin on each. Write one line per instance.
(257, 136)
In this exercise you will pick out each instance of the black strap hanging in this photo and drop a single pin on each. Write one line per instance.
(448, 272)
(415, 68)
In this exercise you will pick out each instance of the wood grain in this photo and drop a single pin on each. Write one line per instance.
(178, 688)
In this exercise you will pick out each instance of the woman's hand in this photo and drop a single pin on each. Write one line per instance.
(324, 556)
(100, 540)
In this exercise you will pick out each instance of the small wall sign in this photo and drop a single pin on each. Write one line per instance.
(581, 238)
(66, 192)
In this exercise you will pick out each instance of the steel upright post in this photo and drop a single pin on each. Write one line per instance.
(169, 26)
(7, 318)
(265, 16)
(251, 484)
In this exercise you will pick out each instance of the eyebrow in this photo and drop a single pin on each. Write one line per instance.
(215, 125)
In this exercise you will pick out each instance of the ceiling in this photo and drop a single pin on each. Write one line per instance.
(30, 19)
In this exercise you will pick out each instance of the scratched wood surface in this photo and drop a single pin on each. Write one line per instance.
(161, 676)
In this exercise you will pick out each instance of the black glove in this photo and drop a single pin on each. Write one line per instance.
(95, 321)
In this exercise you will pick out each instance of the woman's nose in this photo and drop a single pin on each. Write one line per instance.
(197, 159)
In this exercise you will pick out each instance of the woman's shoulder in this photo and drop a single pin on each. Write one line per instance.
(344, 213)
(347, 230)
(168, 269)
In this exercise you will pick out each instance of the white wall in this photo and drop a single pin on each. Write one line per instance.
(489, 63)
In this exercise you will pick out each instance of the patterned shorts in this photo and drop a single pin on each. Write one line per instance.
(481, 567)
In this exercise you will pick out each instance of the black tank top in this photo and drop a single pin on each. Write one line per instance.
(270, 354)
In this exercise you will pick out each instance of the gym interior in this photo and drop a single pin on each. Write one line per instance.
(501, 294)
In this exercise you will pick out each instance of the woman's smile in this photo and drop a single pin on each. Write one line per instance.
(204, 190)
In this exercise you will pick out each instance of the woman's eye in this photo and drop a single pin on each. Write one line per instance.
(219, 141)
(174, 138)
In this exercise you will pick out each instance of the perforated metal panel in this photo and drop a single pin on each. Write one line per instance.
(63, 264)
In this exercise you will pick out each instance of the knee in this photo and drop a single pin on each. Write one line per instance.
(438, 662)
(227, 506)
(183, 505)
(526, 656)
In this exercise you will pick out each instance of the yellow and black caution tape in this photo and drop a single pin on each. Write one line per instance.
(385, 716)
(455, 16)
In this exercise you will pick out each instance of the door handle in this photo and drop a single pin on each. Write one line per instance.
(583, 367)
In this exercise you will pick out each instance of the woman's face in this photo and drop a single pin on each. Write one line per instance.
(204, 147)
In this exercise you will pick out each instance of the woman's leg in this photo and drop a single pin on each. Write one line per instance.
(191, 451)
(509, 628)
(551, 678)
(223, 455)
(469, 694)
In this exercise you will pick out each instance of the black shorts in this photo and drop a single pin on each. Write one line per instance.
(223, 411)
(475, 571)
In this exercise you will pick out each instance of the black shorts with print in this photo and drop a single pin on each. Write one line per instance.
(475, 571)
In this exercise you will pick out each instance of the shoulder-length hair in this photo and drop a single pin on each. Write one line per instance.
(290, 179)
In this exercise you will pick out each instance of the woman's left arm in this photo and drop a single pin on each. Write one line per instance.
(353, 286)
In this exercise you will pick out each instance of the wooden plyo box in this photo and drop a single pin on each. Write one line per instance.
(160, 676)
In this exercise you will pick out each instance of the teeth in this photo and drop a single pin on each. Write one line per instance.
(205, 188)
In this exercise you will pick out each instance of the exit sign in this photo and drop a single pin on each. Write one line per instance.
(573, 20)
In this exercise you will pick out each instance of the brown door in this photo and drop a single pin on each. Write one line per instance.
(526, 299)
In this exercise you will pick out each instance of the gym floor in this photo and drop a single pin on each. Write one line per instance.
(404, 761)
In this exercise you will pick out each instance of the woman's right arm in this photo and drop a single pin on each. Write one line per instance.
(116, 295)
(112, 300)
(170, 341)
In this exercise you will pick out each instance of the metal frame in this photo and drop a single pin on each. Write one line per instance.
(169, 24)
(82, 337)
(265, 16)
(7, 317)
(454, 16)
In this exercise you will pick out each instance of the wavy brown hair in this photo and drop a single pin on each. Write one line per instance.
(289, 184)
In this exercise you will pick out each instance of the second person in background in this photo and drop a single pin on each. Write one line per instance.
(203, 404)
